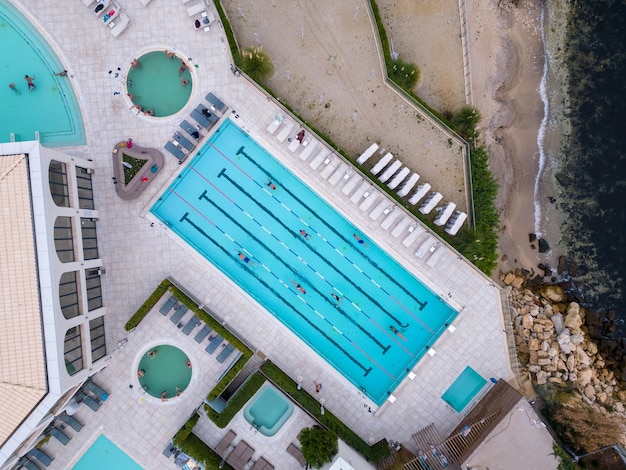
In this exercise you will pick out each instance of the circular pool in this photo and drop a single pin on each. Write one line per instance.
(158, 84)
(164, 371)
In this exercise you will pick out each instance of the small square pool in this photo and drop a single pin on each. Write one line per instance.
(104, 455)
(464, 389)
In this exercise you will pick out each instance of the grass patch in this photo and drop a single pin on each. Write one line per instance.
(136, 164)
(147, 305)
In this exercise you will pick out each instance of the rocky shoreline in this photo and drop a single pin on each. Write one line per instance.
(560, 342)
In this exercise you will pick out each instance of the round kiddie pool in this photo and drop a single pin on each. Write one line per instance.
(164, 371)
(268, 410)
(159, 83)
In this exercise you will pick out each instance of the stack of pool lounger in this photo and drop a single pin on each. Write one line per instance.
(38, 454)
(214, 342)
(82, 397)
(70, 421)
(178, 314)
(58, 435)
(191, 324)
(168, 305)
(223, 355)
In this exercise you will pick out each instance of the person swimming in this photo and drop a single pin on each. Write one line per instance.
(358, 239)
(305, 234)
(397, 332)
(337, 298)
(243, 257)
(271, 185)
(299, 287)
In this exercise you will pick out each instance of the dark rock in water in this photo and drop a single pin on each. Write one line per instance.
(541, 266)
(595, 332)
(562, 263)
(552, 199)
(573, 268)
(610, 315)
(578, 297)
(566, 286)
(543, 246)
(582, 270)
(532, 246)
(563, 179)
(608, 329)
(532, 238)
(536, 281)
(591, 317)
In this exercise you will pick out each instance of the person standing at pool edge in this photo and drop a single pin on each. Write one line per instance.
(29, 81)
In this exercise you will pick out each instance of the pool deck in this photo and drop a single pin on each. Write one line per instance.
(137, 257)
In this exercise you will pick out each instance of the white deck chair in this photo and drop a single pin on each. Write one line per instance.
(382, 163)
(391, 169)
(398, 178)
(456, 222)
(284, 132)
(367, 154)
(408, 185)
(328, 170)
(274, 125)
(425, 247)
(401, 227)
(351, 184)
(380, 208)
(309, 147)
(369, 201)
(120, 25)
(430, 202)
(390, 219)
(436, 256)
(414, 234)
(294, 145)
(444, 214)
(419, 193)
(319, 158)
(196, 9)
(338, 174)
(360, 192)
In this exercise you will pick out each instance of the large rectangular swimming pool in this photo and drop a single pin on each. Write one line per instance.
(299, 258)
(104, 455)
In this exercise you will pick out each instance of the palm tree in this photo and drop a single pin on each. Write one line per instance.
(466, 121)
(256, 63)
(405, 74)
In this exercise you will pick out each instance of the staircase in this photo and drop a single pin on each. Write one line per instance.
(250, 368)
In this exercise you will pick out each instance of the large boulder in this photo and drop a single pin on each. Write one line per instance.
(527, 321)
(581, 357)
(573, 320)
(509, 278)
(576, 339)
(553, 294)
(542, 377)
(583, 378)
(533, 344)
(564, 342)
(557, 320)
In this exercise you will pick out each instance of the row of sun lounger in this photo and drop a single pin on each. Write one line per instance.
(181, 145)
(397, 176)
(214, 340)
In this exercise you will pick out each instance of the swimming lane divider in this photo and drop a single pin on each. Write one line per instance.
(185, 218)
(326, 261)
(204, 196)
(330, 227)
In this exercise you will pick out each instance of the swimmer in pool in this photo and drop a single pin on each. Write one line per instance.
(243, 257)
(299, 287)
(397, 332)
(359, 239)
(270, 184)
(305, 234)
(337, 298)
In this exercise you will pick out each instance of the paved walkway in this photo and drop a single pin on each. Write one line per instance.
(137, 256)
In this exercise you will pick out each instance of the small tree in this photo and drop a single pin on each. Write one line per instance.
(256, 63)
(318, 445)
(405, 74)
(466, 120)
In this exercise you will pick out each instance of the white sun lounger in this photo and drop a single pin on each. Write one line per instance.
(425, 247)
(274, 125)
(367, 154)
(408, 185)
(119, 25)
(338, 174)
(401, 227)
(414, 232)
(319, 158)
(431, 201)
(351, 184)
(369, 201)
(294, 145)
(445, 213)
(434, 258)
(390, 219)
(196, 9)
(419, 193)
(382, 163)
(360, 192)
(391, 169)
(456, 222)
(328, 170)
(380, 208)
(399, 178)
(309, 147)
(284, 132)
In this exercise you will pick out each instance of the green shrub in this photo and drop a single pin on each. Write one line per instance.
(405, 74)
(565, 460)
(310, 404)
(195, 448)
(230, 36)
(147, 305)
(187, 428)
(465, 121)
(256, 63)
(136, 165)
(237, 402)
(318, 445)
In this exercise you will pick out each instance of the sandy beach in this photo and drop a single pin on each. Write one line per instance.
(507, 67)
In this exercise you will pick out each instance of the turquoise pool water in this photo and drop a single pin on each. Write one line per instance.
(464, 389)
(104, 455)
(52, 108)
(156, 83)
(385, 319)
(268, 410)
(165, 371)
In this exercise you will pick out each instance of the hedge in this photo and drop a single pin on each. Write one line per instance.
(147, 305)
(245, 392)
(195, 448)
(183, 433)
(372, 453)
(228, 30)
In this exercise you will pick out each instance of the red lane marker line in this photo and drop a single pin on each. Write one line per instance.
(193, 208)
(212, 184)
(392, 338)
(410, 313)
